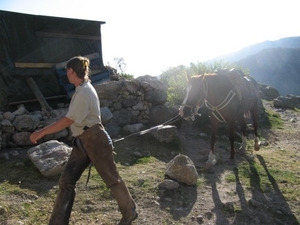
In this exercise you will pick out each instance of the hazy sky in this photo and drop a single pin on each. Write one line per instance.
(154, 35)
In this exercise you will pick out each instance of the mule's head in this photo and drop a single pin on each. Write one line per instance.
(194, 98)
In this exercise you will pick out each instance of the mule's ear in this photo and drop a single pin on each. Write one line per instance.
(188, 77)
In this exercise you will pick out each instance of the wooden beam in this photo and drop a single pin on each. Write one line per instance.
(34, 100)
(34, 65)
(38, 94)
(49, 65)
(63, 35)
(90, 56)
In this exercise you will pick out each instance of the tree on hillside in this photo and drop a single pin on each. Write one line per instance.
(175, 77)
(120, 64)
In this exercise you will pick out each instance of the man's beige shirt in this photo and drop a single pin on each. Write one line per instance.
(84, 108)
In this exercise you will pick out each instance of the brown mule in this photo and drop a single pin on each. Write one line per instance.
(228, 98)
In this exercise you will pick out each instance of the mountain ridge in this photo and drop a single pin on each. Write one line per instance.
(274, 63)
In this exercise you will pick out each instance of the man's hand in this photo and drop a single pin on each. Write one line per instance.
(59, 125)
(35, 136)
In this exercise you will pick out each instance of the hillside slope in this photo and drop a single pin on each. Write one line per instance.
(277, 67)
(290, 42)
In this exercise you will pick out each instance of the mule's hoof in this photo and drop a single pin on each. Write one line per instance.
(256, 144)
(211, 159)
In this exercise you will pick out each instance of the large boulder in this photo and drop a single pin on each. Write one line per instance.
(182, 169)
(267, 92)
(288, 101)
(108, 90)
(166, 134)
(50, 157)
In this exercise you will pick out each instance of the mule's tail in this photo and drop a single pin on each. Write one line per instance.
(252, 95)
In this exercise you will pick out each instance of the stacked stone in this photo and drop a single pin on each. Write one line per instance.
(130, 101)
(123, 103)
(16, 127)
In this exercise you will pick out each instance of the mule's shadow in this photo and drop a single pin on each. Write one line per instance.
(283, 212)
(263, 207)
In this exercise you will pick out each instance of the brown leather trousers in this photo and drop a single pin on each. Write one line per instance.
(93, 146)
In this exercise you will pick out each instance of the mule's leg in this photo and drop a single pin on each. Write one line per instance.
(212, 157)
(254, 114)
(243, 132)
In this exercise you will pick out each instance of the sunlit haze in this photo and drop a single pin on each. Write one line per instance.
(152, 36)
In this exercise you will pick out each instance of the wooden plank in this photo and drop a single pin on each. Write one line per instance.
(90, 56)
(38, 94)
(63, 35)
(34, 100)
(33, 65)
(49, 65)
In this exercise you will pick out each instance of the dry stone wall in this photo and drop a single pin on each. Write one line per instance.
(123, 102)
(130, 101)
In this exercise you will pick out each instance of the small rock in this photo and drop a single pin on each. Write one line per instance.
(264, 143)
(200, 219)
(137, 154)
(14, 153)
(2, 210)
(168, 184)
(141, 181)
(255, 203)
(208, 215)
(203, 135)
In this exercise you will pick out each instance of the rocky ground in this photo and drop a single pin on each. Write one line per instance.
(223, 194)
(219, 201)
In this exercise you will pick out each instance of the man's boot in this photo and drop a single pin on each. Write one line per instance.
(126, 203)
(62, 207)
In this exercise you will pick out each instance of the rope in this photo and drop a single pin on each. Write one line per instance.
(148, 130)
(201, 101)
(174, 119)
(216, 109)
